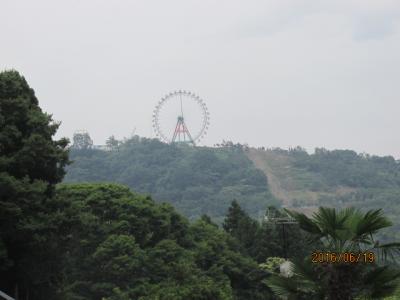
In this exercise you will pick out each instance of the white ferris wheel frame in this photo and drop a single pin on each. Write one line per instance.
(198, 136)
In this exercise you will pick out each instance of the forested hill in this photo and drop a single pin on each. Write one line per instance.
(201, 180)
(335, 178)
(196, 180)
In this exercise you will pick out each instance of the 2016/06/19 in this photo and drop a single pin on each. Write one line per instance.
(343, 257)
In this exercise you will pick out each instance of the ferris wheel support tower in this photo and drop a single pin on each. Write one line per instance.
(181, 133)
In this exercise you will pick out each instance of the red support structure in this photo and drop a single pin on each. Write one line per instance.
(181, 129)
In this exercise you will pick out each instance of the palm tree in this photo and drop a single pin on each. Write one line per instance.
(348, 230)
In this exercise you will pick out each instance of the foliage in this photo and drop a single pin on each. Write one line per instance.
(346, 167)
(31, 163)
(196, 180)
(337, 178)
(272, 264)
(239, 225)
(112, 143)
(348, 230)
(102, 241)
(261, 240)
(82, 140)
(121, 245)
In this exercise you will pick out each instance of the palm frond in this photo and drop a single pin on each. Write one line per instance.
(282, 286)
(292, 287)
(381, 282)
(370, 223)
(329, 221)
(388, 250)
(304, 270)
(305, 222)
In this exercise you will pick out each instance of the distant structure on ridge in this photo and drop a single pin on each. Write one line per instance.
(82, 140)
(181, 117)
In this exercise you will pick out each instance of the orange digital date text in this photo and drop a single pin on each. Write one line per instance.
(342, 257)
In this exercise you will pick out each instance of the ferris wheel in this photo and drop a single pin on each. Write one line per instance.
(181, 116)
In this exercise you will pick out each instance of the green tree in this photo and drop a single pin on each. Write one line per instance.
(272, 264)
(82, 140)
(239, 224)
(31, 163)
(276, 238)
(121, 245)
(196, 180)
(348, 230)
(112, 143)
(217, 253)
(118, 263)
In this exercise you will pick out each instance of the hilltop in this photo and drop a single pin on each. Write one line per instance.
(196, 180)
(204, 180)
(337, 178)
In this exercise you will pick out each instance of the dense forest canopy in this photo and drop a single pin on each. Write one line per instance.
(348, 168)
(125, 246)
(204, 180)
(31, 164)
(196, 180)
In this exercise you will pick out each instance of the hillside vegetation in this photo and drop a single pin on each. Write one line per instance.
(196, 180)
(335, 178)
(114, 245)
(203, 180)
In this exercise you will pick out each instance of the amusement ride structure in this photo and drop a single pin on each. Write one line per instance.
(173, 126)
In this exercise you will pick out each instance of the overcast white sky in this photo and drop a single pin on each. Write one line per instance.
(273, 73)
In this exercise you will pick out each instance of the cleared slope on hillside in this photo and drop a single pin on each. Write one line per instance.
(286, 182)
(295, 187)
(336, 178)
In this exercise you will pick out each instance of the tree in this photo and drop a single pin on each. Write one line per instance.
(121, 245)
(82, 140)
(31, 163)
(112, 143)
(216, 252)
(239, 224)
(167, 173)
(346, 231)
(278, 236)
(124, 245)
(272, 264)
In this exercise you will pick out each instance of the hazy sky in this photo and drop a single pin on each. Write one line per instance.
(273, 73)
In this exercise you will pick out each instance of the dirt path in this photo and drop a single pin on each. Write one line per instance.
(272, 165)
(259, 159)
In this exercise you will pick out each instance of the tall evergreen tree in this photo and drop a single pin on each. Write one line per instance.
(31, 163)
(233, 218)
(241, 226)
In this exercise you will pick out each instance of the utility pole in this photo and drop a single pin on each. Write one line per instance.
(271, 217)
